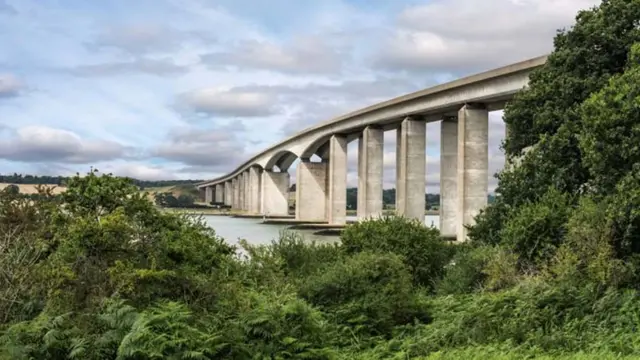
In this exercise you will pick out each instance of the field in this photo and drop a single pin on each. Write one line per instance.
(32, 189)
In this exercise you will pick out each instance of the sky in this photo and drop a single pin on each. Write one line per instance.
(189, 89)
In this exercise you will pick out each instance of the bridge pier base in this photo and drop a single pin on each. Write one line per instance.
(337, 181)
(448, 176)
(311, 186)
(411, 168)
(472, 164)
(370, 166)
(275, 193)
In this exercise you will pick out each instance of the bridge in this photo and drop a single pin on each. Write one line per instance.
(261, 184)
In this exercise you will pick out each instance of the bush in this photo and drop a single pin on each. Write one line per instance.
(369, 292)
(421, 248)
(465, 272)
(536, 229)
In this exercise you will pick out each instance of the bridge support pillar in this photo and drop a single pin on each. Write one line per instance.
(370, 166)
(235, 203)
(411, 168)
(254, 177)
(202, 194)
(219, 195)
(242, 192)
(448, 176)
(208, 198)
(473, 165)
(311, 185)
(228, 193)
(247, 189)
(337, 181)
(275, 193)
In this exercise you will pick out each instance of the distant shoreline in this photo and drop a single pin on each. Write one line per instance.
(222, 212)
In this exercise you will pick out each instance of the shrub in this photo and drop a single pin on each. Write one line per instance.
(369, 292)
(536, 229)
(465, 272)
(422, 248)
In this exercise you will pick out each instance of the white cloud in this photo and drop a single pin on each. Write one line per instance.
(43, 144)
(10, 86)
(310, 54)
(228, 102)
(464, 35)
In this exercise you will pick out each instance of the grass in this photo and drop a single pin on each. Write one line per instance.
(32, 188)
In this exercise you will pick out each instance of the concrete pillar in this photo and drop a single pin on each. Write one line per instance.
(208, 198)
(473, 165)
(241, 192)
(228, 193)
(275, 193)
(311, 184)
(235, 204)
(337, 181)
(246, 190)
(219, 194)
(448, 176)
(255, 189)
(411, 168)
(370, 166)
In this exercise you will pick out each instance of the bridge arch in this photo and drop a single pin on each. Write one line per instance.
(282, 159)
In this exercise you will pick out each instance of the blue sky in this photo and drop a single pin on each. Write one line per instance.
(171, 89)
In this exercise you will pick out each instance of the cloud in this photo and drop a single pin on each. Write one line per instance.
(467, 35)
(139, 171)
(160, 67)
(140, 39)
(232, 102)
(307, 55)
(6, 8)
(203, 150)
(45, 144)
(10, 86)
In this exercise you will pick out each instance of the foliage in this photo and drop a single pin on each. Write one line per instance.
(421, 248)
(167, 199)
(547, 118)
(370, 292)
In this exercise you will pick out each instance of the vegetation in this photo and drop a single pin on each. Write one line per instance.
(551, 270)
(62, 180)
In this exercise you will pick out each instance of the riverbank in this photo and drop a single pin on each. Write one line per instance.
(230, 212)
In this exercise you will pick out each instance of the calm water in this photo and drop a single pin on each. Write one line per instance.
(233, 229)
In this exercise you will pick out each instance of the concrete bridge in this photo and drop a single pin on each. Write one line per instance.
(261, 184)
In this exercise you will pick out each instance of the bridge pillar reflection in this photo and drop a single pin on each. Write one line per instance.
(228, 193)
(448, 176)
(472, 164)
(254, 178)
(370, 169)
(275, 193)
(411, 168)
(337, 181)
(311, 186)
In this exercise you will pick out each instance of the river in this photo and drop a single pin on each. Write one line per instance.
(233, 229)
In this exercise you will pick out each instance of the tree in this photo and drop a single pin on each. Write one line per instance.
(546, 118)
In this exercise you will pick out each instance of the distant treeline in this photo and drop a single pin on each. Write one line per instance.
(61, 180)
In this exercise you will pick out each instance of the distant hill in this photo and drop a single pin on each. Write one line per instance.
(61, 180)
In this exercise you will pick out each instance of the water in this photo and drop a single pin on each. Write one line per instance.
(233, 229)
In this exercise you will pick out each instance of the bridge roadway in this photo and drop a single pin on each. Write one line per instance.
(261, 184)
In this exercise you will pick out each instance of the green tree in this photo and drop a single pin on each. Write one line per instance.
(547, 117)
